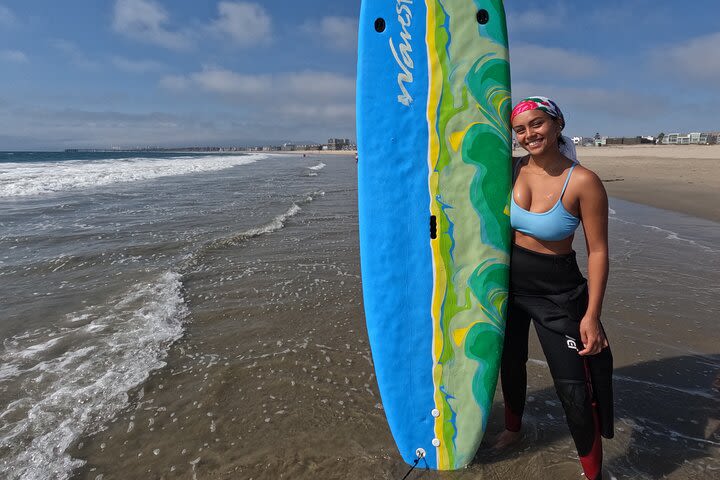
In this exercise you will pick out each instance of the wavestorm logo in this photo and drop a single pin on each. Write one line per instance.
(404, 60)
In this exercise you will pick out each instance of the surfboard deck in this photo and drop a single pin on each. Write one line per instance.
(433, 108)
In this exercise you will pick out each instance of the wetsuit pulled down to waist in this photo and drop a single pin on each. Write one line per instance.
(550, 291)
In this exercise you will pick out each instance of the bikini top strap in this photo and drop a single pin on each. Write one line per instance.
(567, 180)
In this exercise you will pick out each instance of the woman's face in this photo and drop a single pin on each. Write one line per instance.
(537, 132)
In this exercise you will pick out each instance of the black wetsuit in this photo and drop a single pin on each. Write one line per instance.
(550, 290)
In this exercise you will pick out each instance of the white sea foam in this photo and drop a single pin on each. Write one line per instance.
(36, 349)
(276, 224)
(319, 166)
(75, 392)
(670, 235)
(41, 178)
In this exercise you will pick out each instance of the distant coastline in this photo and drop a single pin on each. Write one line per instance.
(218, 150)
(332, 145)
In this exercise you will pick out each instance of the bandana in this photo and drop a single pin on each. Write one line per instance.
(539, 103)
(567, 147)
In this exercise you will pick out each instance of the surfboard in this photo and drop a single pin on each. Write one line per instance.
(433, 108)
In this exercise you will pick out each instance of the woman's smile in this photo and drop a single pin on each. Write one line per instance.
(534, 143)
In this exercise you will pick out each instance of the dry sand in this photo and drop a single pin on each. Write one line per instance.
(682, 178)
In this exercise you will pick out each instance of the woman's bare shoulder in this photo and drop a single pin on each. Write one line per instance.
(585, 180)
(585, 175)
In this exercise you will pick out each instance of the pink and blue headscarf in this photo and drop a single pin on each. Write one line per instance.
(539, 103)
(567, 147)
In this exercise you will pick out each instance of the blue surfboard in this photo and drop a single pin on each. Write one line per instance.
(433, 107)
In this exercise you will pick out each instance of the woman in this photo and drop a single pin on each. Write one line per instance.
(552, 194)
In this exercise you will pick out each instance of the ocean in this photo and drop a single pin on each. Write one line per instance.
(200, 315)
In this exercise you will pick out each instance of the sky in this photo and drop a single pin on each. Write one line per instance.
(124, 73)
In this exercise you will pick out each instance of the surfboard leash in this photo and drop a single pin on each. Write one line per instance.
(420, 454)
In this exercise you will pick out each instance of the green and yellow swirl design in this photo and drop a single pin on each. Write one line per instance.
(469, 180)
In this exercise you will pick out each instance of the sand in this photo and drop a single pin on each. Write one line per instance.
(681, 178)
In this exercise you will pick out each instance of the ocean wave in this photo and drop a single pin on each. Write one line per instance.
(277, 223)
(40, 178)
(71, 393)
(274, 225)
(319, 166)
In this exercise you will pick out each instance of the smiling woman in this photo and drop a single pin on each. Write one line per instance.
(546, 286)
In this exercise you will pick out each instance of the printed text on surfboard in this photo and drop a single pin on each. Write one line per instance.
(404, 60)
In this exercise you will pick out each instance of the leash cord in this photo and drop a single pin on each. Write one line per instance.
(412, 468)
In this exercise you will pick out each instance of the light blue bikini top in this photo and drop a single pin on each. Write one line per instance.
(553, 225)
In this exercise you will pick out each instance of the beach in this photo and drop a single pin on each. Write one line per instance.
(206, 321)
(682, 178)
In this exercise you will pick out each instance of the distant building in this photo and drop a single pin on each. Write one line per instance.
(670, 139)
(693, 138)
(310, 146)
(630, 140)
(577, 140)
(338, 143)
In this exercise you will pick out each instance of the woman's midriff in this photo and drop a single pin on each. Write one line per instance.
(560, 247)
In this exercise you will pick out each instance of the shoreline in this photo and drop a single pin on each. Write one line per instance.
(679, 178)
(313, 152)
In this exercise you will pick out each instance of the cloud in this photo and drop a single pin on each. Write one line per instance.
(546, 61)
(339, 33)
(45, 128)
(225, 82)
(291, 105)
(310, 85)
(613, 111)
(144, 20)
(7, 17)
(318, 84)
(697, 59)
(65, 128)
(14, 56)
(245, 23)
(137, 66)
(615, 102)
(175, 83)
(521, 20)
(74, 54)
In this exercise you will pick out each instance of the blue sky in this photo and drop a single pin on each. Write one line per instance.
(96, 73)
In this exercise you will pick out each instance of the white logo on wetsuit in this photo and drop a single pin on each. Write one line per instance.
(571, 343)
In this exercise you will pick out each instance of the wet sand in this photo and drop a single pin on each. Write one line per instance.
(274, 376)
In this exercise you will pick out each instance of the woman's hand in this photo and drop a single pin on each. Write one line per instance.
(592, 335)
